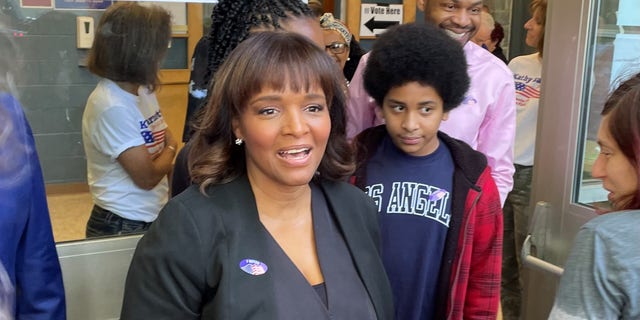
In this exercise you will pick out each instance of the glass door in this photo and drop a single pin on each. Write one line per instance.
(589, 47)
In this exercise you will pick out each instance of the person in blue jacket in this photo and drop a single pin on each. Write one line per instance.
(27, 248)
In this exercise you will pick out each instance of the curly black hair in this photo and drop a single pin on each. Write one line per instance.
(231, 21)
(417, 53)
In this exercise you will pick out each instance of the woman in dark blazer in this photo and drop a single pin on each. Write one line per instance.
(269, 230)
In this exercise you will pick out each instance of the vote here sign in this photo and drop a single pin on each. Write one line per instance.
(375, 18)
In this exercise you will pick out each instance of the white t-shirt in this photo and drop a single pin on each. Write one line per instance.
(113, 121)
(526, 73)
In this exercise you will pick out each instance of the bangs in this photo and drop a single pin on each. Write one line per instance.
(284, 65)
(296, 76)
(276, 61)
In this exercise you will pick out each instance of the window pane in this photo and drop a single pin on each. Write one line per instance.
(176, 57)
(615, 53)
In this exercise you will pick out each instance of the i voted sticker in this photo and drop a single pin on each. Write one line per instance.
(253, 267)
(437, 195)
(470, 100)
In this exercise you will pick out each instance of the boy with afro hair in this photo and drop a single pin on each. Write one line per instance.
(440, 213)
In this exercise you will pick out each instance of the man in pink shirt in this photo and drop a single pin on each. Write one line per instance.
(486, 119)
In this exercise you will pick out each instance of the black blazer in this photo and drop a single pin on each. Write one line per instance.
(186, 265)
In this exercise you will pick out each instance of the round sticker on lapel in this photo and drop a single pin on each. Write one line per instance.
(253, 267)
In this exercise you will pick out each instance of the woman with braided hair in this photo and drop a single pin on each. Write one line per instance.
(232, 22)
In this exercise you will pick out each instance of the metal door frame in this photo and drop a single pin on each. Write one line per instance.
(557, 144)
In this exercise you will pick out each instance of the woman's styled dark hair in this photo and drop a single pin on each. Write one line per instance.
(623, 109)
(232, 20)
(275, 60)
(131, 41)
(420, 53)
(539, 6)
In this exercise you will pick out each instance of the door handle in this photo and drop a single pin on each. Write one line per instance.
(537, 263)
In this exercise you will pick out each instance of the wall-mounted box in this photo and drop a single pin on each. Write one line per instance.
(84, 32)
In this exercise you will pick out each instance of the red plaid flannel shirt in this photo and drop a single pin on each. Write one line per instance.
(475, 278)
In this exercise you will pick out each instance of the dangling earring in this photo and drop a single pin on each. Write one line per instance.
(238, 141)
(348, 58)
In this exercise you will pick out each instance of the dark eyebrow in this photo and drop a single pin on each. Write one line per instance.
(275, 98)
(395, 101)
(477, 3)
(421, 103)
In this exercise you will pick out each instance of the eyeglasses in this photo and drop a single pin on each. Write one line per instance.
(336, 47)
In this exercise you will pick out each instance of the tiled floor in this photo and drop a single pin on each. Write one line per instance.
(69, 213)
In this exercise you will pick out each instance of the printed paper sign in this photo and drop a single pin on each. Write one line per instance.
(375, 18)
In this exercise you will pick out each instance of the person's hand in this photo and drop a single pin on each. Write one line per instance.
(170, 142)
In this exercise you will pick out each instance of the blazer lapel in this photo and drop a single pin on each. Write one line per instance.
(363, 249)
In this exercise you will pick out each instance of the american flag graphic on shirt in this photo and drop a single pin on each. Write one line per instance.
(153, 139)
(153, 131)
(527, 91)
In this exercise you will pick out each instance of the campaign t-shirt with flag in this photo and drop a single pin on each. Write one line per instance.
(153, 127)
(526, 73)
(414, 201)
(115, 120)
